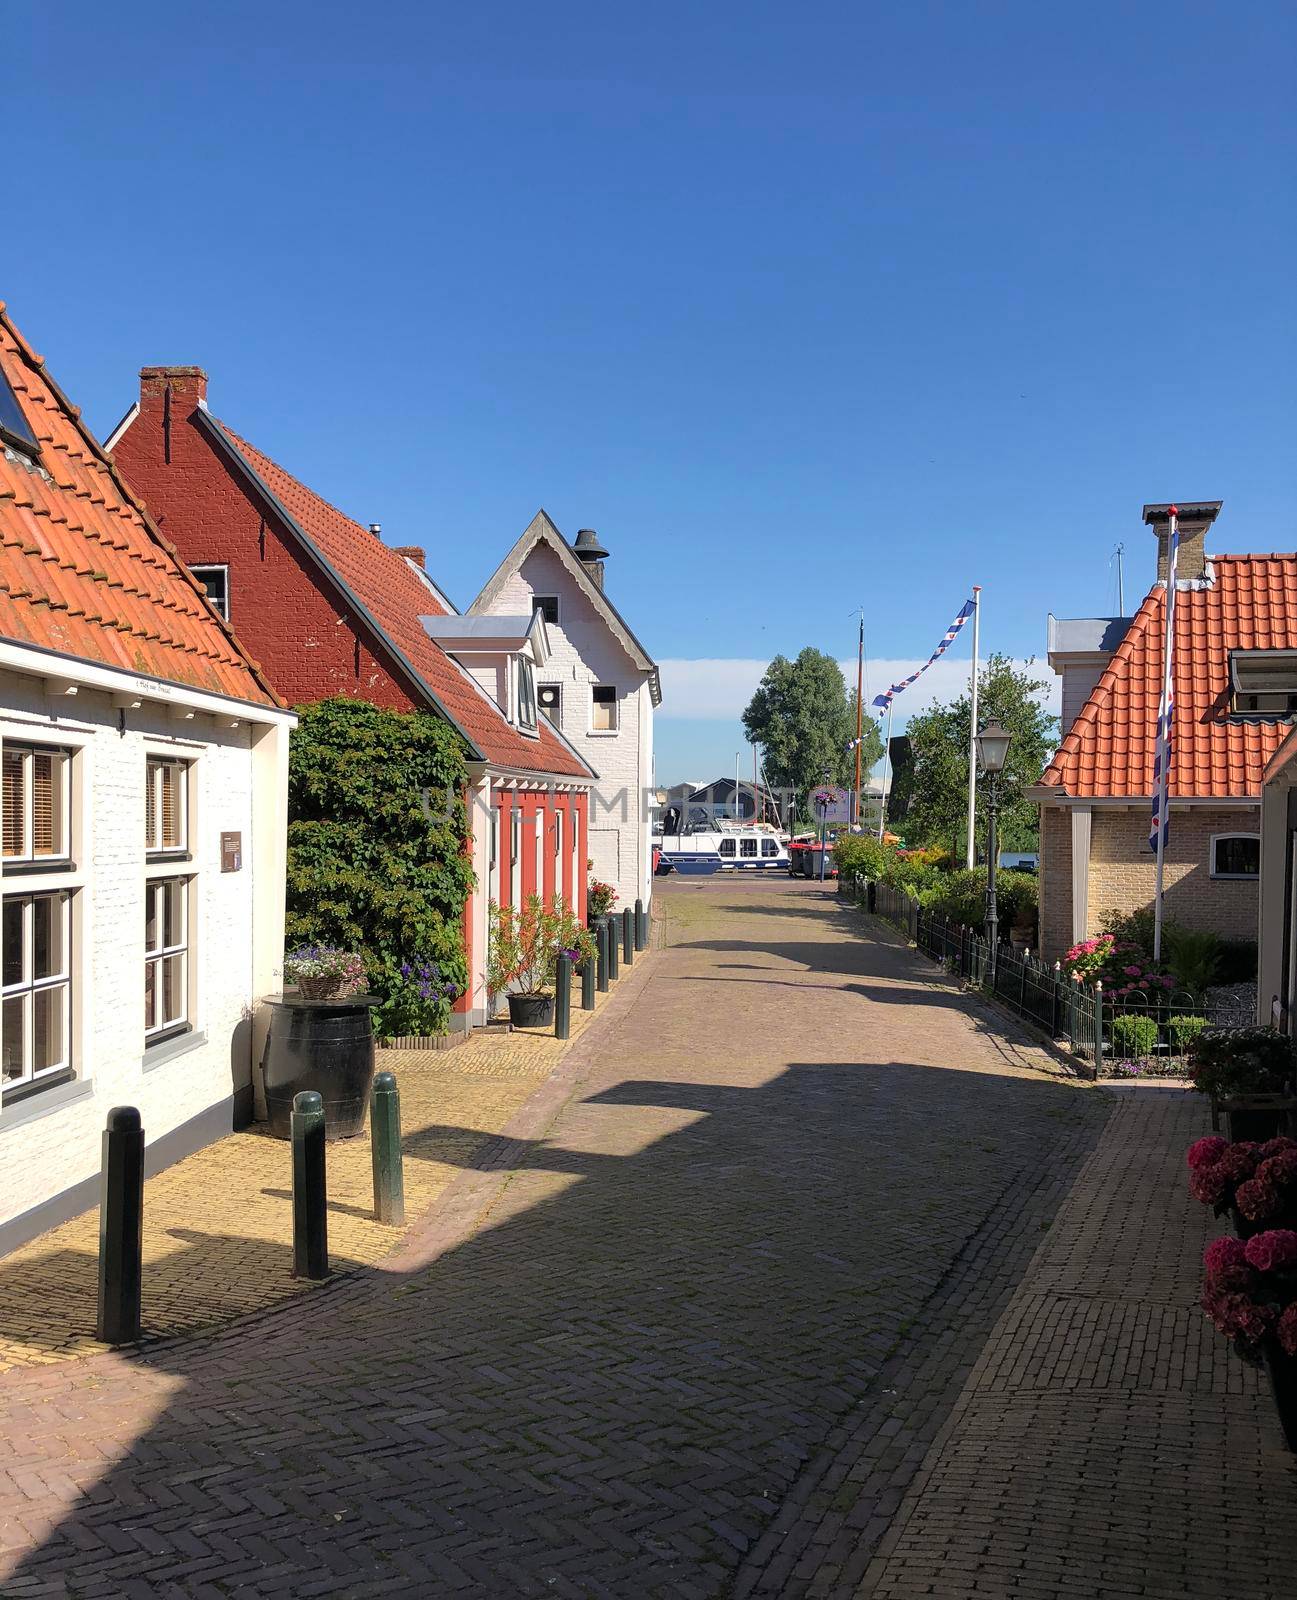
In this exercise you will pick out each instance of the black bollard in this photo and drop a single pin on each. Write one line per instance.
(563, 996)
(628, 936)
(588, 975)
(310, 1206)
(614, 939)
(601, 934)
(641, 926)
(385, 1148)
(121, 1227)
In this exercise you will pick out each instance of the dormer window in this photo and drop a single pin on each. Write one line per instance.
(526, 694)
(1264, 682)
(15, 430)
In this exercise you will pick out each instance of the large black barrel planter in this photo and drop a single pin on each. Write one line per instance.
(325, 1045)
(531, 1010)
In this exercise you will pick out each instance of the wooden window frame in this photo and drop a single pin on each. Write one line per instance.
(27, 754)
(155, 848)
(614, 703)
(25, 990)
(158, 1026)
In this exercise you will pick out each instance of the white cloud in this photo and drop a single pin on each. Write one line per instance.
(717, 689)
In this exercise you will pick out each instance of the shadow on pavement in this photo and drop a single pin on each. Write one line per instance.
(609, 1389)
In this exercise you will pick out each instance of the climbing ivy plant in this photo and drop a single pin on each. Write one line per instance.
(377, 857)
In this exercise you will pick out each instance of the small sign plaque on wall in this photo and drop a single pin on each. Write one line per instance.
(231, 852)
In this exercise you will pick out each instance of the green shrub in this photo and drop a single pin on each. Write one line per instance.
(1238, 961)
(1193, 956)
(1241, 1061)
(1134, 1036)
(861, 855)
(377, 859)
(1018, 894)
(1184, 1030)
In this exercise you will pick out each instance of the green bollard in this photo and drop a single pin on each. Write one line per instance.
(628, 936)
(601, 934)
(563, 996)
(385, 1148)
(310, 1205)
(613, 942)
(587, 983)
(641, 926)
(121, 1227)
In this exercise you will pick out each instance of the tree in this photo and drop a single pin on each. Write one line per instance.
(377, 852)
(938, 803)
(804, 720)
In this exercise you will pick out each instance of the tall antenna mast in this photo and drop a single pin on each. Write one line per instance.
(1121, 584)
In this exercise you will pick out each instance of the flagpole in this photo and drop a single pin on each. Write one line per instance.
(860, 707)
(887, 760)
(970, 854)
(1162, 759)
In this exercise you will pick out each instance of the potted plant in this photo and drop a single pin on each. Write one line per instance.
(522, 956)
(600, 898)
(323, 972)
(1248, 1073)
(1250, 1293)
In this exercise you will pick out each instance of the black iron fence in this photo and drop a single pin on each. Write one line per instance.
(1125, 1035)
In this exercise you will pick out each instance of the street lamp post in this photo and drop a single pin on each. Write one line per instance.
(992, 752)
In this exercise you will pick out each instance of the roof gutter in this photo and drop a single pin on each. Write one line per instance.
(234, 455)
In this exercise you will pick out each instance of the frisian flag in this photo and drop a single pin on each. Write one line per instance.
(1160, 831)
(951, 634)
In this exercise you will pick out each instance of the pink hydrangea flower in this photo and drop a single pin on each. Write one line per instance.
(1256, 1198)
(1206, 1152)
(1281, 1169)
(1168, 983)
(1228, 1264)
(1276, 1147)
(1273, 1250)
(1237, 1316)
(1286, 1331)
(1131, 972)
(1209, 1185)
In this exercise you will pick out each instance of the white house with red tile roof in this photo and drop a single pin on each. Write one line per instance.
(145, 761)
(1235, 675)
(330, 609)
(600, 688)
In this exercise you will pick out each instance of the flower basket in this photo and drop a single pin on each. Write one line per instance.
(328, 988)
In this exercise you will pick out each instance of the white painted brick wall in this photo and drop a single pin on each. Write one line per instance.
(40, 1158)
(584, 651)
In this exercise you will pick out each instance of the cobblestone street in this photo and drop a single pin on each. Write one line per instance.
(802, 1275)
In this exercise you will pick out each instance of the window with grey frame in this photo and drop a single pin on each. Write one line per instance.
(36, 1016)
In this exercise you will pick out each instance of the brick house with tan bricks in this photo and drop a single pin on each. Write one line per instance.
(1235, 672)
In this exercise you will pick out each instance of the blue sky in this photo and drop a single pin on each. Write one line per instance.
(803, 308)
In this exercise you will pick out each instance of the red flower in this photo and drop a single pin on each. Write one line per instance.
(1287, 1330)
(1237, 1163)
(1256, 1198)
(1209, 1185)
(1205, 1152)
(1227, 1264)
(1281, 1146)
(1273, 1250)
(1281, 1170)
(1237, 1316)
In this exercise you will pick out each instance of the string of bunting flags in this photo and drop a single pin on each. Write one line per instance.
(884, 700)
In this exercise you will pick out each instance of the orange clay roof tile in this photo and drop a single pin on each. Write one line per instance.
(82, 571)
(395, 598)
(1108, 751)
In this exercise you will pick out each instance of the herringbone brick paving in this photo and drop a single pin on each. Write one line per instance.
(689, 1338)
(199, 1272)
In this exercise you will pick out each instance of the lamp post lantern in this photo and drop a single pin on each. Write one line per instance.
(992, 752)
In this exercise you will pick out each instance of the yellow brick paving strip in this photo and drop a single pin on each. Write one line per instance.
(218, 1225)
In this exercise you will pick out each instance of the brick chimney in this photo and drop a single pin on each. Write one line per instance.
(590, 553)
(412, 552)
(1193, 520)
(186, 385)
